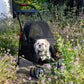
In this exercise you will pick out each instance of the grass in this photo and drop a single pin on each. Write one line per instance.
(7, 66)
(8, 48)
(69, 41)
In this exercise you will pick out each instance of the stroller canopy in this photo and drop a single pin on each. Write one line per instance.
(38, 30)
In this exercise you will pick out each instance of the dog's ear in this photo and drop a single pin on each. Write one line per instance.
(47, 43)
(34, 46)
(35, 42)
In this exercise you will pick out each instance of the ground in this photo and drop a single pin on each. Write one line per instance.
(23, 74)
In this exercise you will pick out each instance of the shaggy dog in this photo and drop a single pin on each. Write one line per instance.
(42, 47)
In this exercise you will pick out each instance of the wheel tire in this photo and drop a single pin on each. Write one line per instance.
(32, 72)
(39, 72)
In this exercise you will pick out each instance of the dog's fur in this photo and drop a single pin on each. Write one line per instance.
(41, 47)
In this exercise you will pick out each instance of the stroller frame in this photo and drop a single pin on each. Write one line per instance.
(16, 13)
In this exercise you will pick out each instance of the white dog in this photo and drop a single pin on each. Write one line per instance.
(41, 47)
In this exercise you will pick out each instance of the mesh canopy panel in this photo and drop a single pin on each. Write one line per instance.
(38, 30)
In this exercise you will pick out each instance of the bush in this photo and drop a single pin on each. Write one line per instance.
(36, 3)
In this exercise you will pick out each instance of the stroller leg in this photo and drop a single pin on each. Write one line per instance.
(18, 62)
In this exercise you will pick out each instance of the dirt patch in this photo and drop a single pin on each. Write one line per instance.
(23, 74)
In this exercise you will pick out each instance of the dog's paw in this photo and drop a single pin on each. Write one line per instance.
(43, 58)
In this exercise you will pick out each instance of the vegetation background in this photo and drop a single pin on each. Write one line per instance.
(66, 20)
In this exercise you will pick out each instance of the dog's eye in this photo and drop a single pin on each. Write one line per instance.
(37, 43)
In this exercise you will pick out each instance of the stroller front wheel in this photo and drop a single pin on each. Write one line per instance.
(39, 72)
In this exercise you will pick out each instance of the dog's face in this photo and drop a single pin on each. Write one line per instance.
(41, 47)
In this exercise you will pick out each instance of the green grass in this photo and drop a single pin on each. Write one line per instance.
(7, 66)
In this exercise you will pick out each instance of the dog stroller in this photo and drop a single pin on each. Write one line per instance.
(32, 31)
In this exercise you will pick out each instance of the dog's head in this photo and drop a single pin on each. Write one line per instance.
(41, 47)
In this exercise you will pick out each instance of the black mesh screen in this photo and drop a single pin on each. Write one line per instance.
(38, 29)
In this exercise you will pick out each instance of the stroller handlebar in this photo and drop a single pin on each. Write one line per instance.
(21, 11)
(17, 11)
(24, 4)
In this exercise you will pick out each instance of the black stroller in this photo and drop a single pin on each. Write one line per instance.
(32, 31)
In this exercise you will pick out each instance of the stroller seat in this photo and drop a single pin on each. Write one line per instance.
(34, 30)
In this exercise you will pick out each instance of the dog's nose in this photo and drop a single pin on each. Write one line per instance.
(39, 46)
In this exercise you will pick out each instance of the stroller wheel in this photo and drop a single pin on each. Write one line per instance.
(39, 72)
(32, 72)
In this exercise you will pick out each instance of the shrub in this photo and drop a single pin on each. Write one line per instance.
(36, 3)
